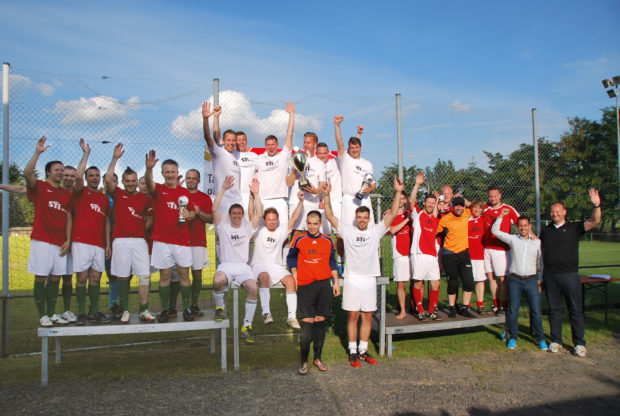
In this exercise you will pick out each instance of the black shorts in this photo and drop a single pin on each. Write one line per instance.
(315, 299)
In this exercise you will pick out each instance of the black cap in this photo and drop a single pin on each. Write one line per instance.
(458, 201)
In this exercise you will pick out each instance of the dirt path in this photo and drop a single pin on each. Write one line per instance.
(492, 383)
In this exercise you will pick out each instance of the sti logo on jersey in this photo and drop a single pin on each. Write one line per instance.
(235, 237)
(96, 208)
(133, 213)
(271, 240)
(269, 163)
(172, 205)
(56, 205)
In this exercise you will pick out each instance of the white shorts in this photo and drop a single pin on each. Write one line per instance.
(425, 267)
(276, 272)
(45, 259)
(167, 255)
(359, 294)
(402, 269)
(337, 209)
(86, 256)
(69, 258)
(497, 261)
(130, 256)
(478, 270)
(200, 258)
(300, 224)
(236, 272)
(349, 204)
(281, 206)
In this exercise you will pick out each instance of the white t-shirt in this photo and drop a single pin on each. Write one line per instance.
(234, 242)
(226, 164)
(247, 168)
(352, 172)
(361, 249)
(268, 245)
(315, 173)
(332, 172)
(272, 173)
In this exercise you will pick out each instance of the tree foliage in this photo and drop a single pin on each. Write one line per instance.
(21, 211)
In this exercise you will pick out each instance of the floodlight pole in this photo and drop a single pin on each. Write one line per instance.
(536, 173)
(399, 135)
(5, 209)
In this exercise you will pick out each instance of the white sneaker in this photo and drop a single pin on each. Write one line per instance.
(147, 316)
(45, 321)
(125, 318)
(267, 318)
(69, 316)
(58, 320)
(579, 351)
(554, 347)
(293, 323)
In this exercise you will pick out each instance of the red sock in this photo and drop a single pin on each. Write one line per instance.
(479, 304)
(411, 297)
(417, 295)
(505, 304)
(433, 299)
(495, 302)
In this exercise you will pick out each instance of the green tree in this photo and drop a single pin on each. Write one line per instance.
(21, 211)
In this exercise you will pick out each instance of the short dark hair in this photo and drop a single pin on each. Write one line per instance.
(311, 134)
(229, 131)
(270, 210)
(477, 202)
(322, 144)
(314, 213)
(70, 167)
(524, 217)
(355, 140)
(129, 171)
(193, 170)
(494, 188)
(559, 203)
(233, 206)
(91, 168)
(48, 166)
(169, 162)
(362, 209)
(240, 133)
(429, 196)
(271, 137)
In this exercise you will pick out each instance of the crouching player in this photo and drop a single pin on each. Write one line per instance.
(361, 248)
(234, 233)
(267, 265)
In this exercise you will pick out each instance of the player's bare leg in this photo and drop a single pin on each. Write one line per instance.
(401, 295)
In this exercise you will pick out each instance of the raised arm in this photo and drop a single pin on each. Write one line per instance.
(360, 130)
(591, 223)
(496, 228)
(14, 189)
(297, 212)
(398, 189)
(228, 183)
(206, 131)
(108, 178)
(413, 196)
(81, 167)
(339, 143)
(329, 213)
(290, 109)
(217, 133)
(255, 203)
(395, 229)
(290, 179)
(32, 163)
(150, 162)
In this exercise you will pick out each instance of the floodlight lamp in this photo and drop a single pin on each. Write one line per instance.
(606, 83)
(616, 80)
(611, 93)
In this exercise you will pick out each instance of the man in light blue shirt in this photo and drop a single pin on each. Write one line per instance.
(526, 263)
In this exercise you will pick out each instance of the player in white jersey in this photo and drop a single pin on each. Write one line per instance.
(361, 245)
(353, 168)
(247, 168)
(267, 264)
(225, 156)
(234, 233)
(273, 168)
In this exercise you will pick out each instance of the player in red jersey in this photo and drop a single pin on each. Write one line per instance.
(476, 251)
(51, 233)
(133, 213)
(401, 230)
(91, 237)
(198, 234)
(171, 240)
(496, 252)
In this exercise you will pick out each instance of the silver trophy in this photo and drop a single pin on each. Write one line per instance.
(300, 160)
(368, 179)
(183, 201)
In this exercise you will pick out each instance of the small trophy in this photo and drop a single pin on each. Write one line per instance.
(368, 178)
(300, 160)
(183, 201)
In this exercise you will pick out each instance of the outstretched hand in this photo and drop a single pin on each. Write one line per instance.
(338, 119)
(151, 159)
(254, 186)
(85, 147)
(420, 178)
(228, 182)
(41, 147)
(118, 151)
(360, 129)
(206, 109)
(290, 107)
(594, 197)
(398, 184)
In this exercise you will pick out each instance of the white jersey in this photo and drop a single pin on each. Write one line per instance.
(332, 172)
(234, 242)
(247, 168)
(272, 173)
(226, 164)
(362, 249)
(352, 172)
(315, 173)
(268, 245)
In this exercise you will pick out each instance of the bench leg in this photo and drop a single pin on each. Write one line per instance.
(382, 323)
(389, 345)
(58, 351)
(212, 343)
(236, 327)
(44, 361)
(223, 346)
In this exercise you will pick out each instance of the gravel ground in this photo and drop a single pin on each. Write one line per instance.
(492, 383)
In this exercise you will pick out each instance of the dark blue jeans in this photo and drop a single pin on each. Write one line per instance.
(530, 287)
(569, 285)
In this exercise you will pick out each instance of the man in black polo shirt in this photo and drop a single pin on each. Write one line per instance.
(560, 248)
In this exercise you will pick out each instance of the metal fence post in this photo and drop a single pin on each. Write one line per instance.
(536, 167)
(5, 209)
(399, 136)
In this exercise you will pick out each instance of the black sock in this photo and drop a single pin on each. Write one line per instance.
(305, 338)
(318, 338)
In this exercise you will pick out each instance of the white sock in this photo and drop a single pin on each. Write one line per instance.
(250, 308)
(291, 304)
(363, 346)
(219, 299)
(263, 293)
(352, 347)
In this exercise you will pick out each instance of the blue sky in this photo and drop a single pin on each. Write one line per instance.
(468, 72)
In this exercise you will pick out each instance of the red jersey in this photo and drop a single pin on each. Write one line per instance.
(424, 234)
(197, 230)
(129, 214)
(167, 229)
(475, 234)
(51, 206)
(490, 215)
(90, 210)
(313, 256)
(401, 241)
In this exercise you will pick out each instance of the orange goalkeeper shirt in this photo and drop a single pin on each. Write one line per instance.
(457, 238)
(314, 258)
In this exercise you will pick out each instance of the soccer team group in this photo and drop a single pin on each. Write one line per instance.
(147, 226)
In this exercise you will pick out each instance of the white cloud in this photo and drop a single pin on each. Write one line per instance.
(20, 82)
(100, 109)
(458, 106)
(237, 113)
